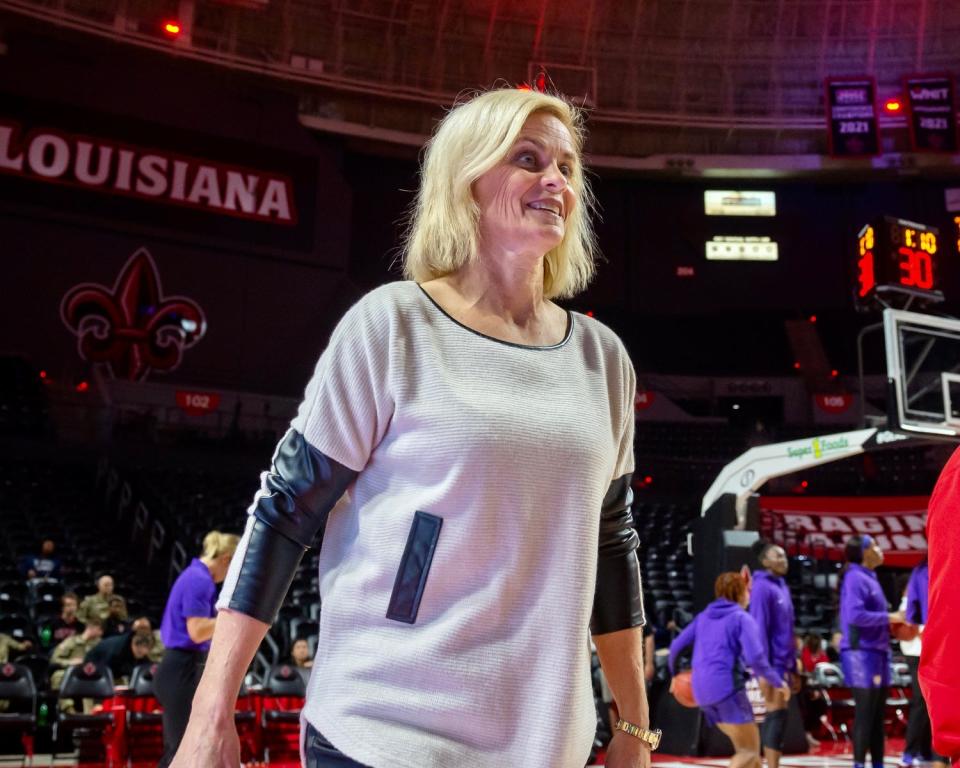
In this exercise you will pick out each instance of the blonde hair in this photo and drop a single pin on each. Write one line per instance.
(442, 235)
(216, 544)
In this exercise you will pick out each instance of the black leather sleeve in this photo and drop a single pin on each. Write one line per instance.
(303, 485)
(618, 600)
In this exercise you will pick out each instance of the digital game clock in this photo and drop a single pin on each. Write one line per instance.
(897, 260)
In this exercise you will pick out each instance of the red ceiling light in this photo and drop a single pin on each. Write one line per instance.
(83, 386)
(589, 313)
(834, 373)
(893, 106)
(796, 366)
(813, 318)
(43, 374)
(172, 28)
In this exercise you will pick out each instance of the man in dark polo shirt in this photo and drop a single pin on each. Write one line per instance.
(122, 653)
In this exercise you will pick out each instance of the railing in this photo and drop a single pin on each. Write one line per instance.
(755, 65)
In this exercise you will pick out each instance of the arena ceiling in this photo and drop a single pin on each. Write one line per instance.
(666, 79)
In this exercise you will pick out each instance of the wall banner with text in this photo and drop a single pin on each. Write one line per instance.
(820, 526)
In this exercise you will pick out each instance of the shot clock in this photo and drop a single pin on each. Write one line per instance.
(897, 259)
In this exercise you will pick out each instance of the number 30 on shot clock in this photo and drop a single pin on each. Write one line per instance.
(896, 256)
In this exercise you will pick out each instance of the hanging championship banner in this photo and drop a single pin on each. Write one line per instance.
(933, 116)
(821, 525)
(852, 117)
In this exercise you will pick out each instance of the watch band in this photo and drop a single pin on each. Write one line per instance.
(648, 737)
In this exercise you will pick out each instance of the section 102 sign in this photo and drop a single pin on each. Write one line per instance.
(198, 403)
(852, 117)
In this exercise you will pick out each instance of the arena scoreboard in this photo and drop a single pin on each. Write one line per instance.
(897, 257)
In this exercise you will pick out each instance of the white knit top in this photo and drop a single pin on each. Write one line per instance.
(514, 448)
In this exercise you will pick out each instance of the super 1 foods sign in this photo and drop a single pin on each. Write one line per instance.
(105, 165)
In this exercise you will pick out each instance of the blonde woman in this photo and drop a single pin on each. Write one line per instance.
(485, 436)
(188, 622)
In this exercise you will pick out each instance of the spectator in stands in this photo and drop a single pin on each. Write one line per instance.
(122, 653)
(97, 604)
(833, 647)
(67, 624)
(46, 565)
(649, 653)
(772, 608)
(813, 652)
(187, 626)
(142, 625)
(117, 621)
(300, 654)
(9, 643)
(865, 649)
(917, 741)
(812, 704)
(72, 651)
(726, 638)
(467, 394)
(939, 670)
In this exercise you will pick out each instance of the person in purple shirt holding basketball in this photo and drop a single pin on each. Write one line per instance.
(865, 648)
(772, 608)
(725, 639)
(188, 622)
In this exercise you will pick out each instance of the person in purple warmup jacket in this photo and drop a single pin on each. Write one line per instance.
(725, 640)
(865, 648)
(772, 608)
(917, 740)
(187, 627)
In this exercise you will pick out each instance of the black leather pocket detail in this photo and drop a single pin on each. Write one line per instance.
(414, 567)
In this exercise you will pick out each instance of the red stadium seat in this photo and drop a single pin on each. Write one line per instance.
(284, 693)
(828, 679)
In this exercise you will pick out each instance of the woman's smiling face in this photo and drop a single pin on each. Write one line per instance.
(525, 199)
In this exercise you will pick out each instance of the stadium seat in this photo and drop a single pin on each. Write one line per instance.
(144, 733)
(85, 681)
(17, 687)
(283, 695)
(828, 679)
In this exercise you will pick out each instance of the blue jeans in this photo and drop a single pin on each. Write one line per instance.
(320, 753)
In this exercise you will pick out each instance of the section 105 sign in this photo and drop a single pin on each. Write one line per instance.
(895, 255)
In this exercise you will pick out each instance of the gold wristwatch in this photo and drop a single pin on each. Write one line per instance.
(648, 737)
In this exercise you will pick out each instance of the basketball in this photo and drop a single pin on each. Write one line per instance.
(903, 631)
(682, 688)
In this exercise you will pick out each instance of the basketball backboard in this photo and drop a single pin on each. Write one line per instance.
(923, 371)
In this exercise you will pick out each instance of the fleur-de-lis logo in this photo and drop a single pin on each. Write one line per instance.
(133, 327)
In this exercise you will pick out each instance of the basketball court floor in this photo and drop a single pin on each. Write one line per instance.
(827, 756)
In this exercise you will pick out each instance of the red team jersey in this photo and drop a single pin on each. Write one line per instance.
(939, 670)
